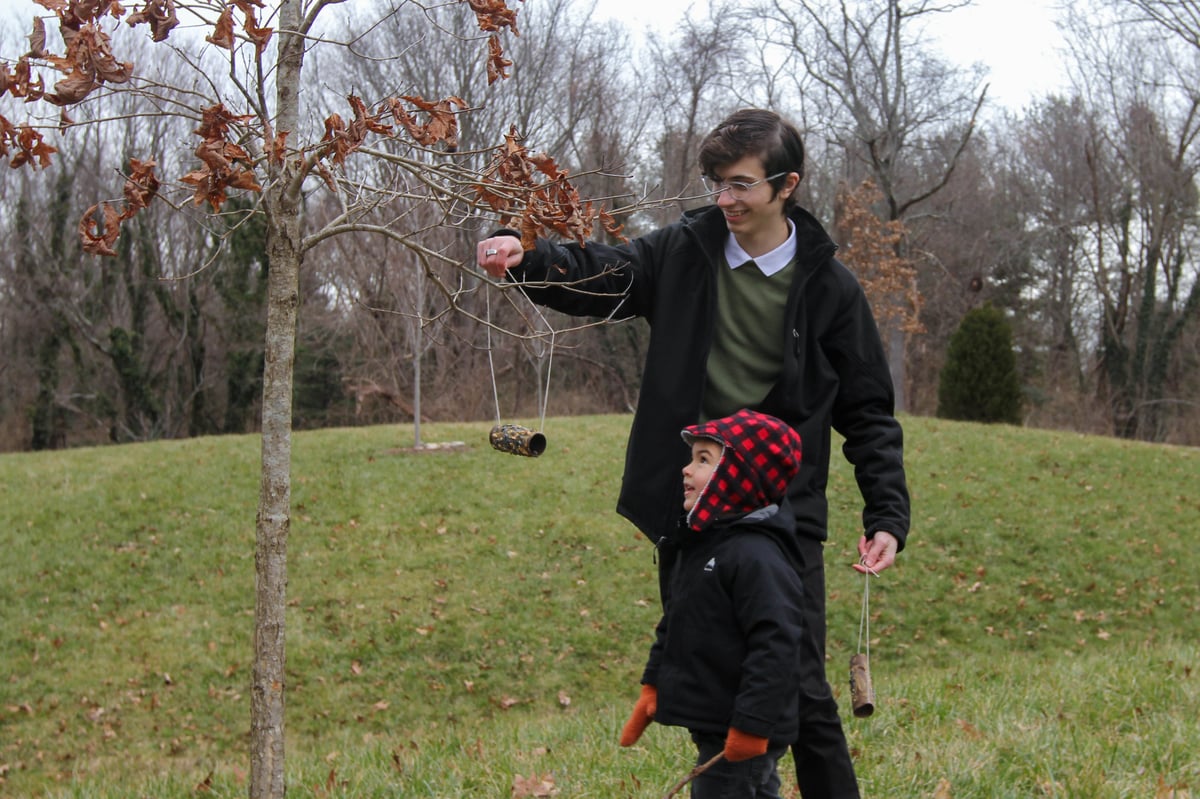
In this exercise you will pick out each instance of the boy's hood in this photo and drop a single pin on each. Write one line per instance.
(759, 457)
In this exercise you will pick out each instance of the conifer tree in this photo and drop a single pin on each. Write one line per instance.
(979, 382)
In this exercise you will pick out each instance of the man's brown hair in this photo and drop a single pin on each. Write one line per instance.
(755, 131)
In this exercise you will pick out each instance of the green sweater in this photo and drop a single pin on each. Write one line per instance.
(747, 350)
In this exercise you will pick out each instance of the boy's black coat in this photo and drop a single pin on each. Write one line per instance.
(732, 635)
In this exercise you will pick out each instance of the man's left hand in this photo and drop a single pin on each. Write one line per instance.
(877, 552)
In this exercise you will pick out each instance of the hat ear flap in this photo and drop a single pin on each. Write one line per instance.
(701, 514)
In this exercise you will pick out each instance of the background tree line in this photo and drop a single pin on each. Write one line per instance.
(1076, 217)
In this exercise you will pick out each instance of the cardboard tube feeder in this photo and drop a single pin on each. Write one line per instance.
(517, 440)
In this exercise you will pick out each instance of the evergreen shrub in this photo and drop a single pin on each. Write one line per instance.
(979, 382)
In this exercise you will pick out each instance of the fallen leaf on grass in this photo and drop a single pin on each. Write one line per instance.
(942, 791)
(1165, 791)
(970, 729)
(331, 785)
(534, 786)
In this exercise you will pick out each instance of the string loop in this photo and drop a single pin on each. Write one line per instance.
(544, 398)
(864, 618)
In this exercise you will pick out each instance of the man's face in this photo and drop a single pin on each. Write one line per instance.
(757, 212)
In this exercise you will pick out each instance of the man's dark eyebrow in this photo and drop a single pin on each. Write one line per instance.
(741, 178)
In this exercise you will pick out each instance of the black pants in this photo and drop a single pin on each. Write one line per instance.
(756, 778)
(823, 766)
(824, 769)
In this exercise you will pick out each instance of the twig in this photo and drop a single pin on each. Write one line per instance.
(693, 774)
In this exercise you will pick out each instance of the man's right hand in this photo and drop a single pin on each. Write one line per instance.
(499, 254)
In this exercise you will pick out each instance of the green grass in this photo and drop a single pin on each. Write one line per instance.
(460, 619)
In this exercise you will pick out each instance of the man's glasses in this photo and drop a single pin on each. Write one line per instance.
(738, 189)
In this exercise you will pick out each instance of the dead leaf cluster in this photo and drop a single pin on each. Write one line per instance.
(873, 252)
(224, 35)
(88, 61)
(224, 163)
(441, 126)
(159, 15)
(101, 224)
(29, 145)
(532, 194)
(530, 191)
(494, 16)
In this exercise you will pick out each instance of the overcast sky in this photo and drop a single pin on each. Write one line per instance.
(1015, 39)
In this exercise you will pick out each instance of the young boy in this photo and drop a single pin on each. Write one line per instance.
(723, 664)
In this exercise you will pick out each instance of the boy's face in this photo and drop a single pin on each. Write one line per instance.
(706, 454)
(758, 212)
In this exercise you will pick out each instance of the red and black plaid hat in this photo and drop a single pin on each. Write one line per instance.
(760, 456)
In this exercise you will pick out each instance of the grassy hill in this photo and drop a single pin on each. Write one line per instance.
(468, 623)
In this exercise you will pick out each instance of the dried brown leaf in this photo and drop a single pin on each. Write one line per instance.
(98, 238)
(22, 83)
(259, 35)
(969, 729)
(497, 64)
(442, 125)
(57, 6)
(534, 786)
(31, 147)
(222, 35)
(494, 15)
(72, 88)
(274, 145)
(140, 187)
(37, 39)
(159, 15)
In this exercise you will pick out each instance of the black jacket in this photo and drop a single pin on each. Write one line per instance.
(732, 631)
(835, 373)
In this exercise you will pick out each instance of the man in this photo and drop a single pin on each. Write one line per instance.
(747, 307)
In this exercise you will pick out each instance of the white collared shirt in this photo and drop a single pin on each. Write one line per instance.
(769, 263)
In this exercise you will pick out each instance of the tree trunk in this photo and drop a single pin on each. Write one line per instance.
(418, 349)
(281, 204)
(896, 344)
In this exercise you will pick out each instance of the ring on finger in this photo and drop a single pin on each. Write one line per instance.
(490, 252)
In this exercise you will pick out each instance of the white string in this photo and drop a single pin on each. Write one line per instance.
(544, 400)
(864, 619)
(491, 364)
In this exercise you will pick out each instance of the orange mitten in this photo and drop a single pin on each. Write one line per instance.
(743, 746)
(643, 714)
